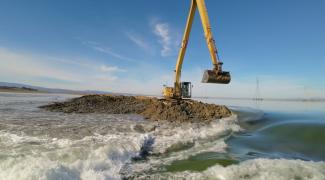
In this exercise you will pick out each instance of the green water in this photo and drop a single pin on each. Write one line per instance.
(286, 130)
(280, 135)
(201, 162)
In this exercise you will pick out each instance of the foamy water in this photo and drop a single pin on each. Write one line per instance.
(36, 144)
(257, 169)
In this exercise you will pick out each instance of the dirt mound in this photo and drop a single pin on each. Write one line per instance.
(150, 108)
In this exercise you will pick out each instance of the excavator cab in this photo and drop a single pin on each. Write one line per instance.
(186, 89)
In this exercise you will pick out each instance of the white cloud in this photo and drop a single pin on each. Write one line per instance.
(110, 69)
(54, 72)
(44, 71)
(106, 78)
(95, 46)
(138, 41)
(162, 30)
(78, 62)
(21, 64)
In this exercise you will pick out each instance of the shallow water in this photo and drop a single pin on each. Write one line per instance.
(264, 140)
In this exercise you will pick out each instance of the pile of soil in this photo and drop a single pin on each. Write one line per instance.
(150, 108)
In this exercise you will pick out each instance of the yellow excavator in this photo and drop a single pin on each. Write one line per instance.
(216, 75)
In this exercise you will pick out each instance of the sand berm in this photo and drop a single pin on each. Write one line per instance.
(149, 107)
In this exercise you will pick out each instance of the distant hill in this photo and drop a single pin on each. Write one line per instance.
(16, 87)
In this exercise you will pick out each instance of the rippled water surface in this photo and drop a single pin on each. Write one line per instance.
(262, 140)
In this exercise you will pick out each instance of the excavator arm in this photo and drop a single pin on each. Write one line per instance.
(210, 76)
(182, 51)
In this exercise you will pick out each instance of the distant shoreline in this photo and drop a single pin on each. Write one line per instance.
(29, 89)
(267, 99)
(19, 89)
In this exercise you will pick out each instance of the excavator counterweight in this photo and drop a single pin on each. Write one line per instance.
(216, 75)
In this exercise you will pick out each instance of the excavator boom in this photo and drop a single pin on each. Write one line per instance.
(216, 75)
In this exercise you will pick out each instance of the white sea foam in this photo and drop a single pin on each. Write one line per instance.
(97, 157)
(176, 143)
(103, 156)
(190, 134)
(248, 114)
(257, 169)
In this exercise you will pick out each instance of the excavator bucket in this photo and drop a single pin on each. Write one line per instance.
(213, 76)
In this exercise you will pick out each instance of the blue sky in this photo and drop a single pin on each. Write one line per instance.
(131, 46)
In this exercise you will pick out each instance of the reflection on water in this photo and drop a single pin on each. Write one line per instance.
(273, 106)
(287, 129)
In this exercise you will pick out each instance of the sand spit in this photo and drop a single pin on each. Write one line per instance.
(150, 108)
